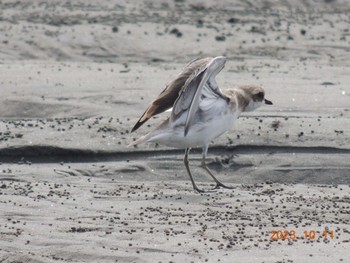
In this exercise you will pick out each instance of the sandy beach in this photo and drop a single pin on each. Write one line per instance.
(75, 76)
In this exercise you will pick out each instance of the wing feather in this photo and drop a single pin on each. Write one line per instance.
(201, 83)
(170, 94)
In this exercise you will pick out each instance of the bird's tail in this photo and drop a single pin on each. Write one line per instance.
(140, 140)
(152, 134)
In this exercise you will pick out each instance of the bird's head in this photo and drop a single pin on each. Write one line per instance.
(255, 96)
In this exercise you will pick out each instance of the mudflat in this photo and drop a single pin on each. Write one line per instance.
(75, 77)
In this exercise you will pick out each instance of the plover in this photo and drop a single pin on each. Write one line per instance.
(200, 110)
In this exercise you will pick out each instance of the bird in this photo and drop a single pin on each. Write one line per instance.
(200, 111)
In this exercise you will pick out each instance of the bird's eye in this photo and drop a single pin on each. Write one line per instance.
(260, 95)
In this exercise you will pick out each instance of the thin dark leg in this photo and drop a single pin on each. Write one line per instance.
(187, 150)
(205, 167)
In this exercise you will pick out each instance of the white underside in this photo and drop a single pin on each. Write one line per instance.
(200, 134)
(214, 115)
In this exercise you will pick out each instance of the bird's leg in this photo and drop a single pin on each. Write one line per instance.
(205, 167)
(187, 150)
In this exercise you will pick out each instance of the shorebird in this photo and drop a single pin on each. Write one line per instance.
(200, 110)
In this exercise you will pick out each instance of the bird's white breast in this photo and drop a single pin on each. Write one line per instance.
(200, 133)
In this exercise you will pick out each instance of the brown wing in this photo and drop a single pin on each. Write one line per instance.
(201, 88)
(169, 95)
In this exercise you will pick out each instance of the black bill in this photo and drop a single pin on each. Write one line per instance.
(268, 102)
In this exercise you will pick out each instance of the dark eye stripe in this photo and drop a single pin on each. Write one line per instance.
(260, 95)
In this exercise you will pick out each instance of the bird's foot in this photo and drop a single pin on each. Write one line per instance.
(219, 184)
(201, 191)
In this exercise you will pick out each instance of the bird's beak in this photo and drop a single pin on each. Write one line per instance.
(268, 102)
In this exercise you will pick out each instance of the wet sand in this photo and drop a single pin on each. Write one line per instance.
(75, 77)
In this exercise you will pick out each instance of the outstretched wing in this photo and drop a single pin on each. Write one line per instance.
(169, 95)
(199, 85)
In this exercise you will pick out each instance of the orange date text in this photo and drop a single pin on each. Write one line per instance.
(292, 235)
